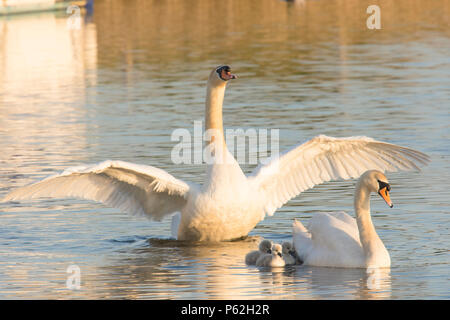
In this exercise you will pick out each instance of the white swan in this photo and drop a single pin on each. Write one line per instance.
(274, 259)
(229, 204)
(289, 254)
(338, 240)
(264, 247)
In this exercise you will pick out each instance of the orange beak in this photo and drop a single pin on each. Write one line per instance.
(385, 195)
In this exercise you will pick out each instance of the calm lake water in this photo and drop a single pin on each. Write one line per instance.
(136, 70)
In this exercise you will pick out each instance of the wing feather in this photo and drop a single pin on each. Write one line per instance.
(132, 188)
(323, 159)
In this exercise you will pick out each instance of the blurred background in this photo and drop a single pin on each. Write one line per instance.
(114, 79)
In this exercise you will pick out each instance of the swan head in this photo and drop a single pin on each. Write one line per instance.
(265, 246)
(288, 248)
(221, 75)
(277, 250)
(377, 182)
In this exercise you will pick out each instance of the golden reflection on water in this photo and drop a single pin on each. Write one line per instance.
(217, 271)
(42, 89)
(247, 32)
(168, 269)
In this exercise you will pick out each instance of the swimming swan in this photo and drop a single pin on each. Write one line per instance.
(264, 247)
(338, 240)
(229, 204)
(274, 259)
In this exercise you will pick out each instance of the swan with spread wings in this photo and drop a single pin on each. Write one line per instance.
(229, 204)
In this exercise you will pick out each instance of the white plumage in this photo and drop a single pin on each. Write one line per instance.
(338, 240)
(135, 189)
(264, 247)
(273, 260)
(228, 205)
(322, 159)
(289, 253)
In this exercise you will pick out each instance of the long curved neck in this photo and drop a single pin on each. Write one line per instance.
(213, 113)
(223, 171)
(370, 241)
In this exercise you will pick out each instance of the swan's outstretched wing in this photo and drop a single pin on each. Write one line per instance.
(323, 159)
(132, 188)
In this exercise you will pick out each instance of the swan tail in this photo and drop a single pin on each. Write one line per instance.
(298, 227)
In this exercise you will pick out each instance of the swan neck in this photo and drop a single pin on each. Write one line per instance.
(367, 234)
(213, 113)
(362, 201)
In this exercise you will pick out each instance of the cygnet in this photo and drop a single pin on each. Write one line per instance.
(265, 247)
(289, 254)
(275, 259)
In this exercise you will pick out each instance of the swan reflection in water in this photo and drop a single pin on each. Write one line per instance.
(167, 269)
(347, 283)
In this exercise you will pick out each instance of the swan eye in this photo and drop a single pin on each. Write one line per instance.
(224, 73)
(225, 68)
(383, 185)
